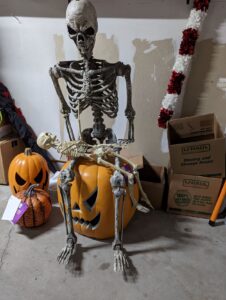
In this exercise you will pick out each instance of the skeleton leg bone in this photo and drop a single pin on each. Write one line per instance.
(66, 177)
(127, 174)
(118, 187)
(144, 197)
(64, 208)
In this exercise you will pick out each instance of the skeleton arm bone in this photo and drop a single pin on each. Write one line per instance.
(125, 70)
(54, 74)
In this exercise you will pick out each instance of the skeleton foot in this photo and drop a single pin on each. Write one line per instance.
(142, 208)
(146, 201)
(68, 251)
(144, 197)
(121, 262)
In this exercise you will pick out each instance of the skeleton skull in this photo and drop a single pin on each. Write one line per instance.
(46, 140)
(82, 25)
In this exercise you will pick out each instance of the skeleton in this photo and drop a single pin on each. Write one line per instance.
(91, 83)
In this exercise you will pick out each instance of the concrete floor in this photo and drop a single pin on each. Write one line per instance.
(172, 257)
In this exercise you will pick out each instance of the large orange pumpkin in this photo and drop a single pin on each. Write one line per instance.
(26, 169)
(92, 201)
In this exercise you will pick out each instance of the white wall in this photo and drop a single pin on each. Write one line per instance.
(29, 46)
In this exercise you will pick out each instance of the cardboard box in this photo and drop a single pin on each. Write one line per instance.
(9, 148)
(153, 182)
(193, 195)
(197, 146)
(136, 159)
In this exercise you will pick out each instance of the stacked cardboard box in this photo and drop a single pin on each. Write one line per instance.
(10, 146)
(197, 159)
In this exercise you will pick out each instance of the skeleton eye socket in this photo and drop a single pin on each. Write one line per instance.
(71, 31)
(89, 31)
(20, 180)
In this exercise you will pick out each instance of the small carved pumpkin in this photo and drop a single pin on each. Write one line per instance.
(39, 206)
(92, 201)
(26, 169)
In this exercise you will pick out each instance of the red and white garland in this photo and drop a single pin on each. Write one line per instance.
(183, 60)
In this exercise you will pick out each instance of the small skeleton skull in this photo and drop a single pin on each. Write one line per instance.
(82, 25)
(46, 140)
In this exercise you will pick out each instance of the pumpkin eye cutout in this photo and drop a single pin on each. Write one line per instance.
(38, 178)
(20, 180)
(76, 207)
(91, 201)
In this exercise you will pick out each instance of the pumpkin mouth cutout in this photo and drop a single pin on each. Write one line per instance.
(93, 224)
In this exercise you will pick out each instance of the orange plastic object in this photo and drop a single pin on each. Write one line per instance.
(26, 169)
(39, 207)
(218, 205)
(92, 201)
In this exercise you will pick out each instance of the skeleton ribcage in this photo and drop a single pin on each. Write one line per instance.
(95, 88)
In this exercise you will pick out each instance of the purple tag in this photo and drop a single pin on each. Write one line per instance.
(23, 207)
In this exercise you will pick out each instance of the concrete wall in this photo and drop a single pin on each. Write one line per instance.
(145, 34)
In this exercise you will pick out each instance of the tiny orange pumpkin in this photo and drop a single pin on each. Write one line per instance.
(26, 169)
(39, 206)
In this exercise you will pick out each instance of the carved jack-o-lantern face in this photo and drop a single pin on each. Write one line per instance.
(92, 201)
(26, 169)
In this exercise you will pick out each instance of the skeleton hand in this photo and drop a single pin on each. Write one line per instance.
(66, 176)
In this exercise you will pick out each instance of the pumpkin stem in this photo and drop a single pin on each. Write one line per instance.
(30, 190)
(28, 152)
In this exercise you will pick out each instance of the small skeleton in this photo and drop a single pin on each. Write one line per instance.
(92, 83)
(101, 154)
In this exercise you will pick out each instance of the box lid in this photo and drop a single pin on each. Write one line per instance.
(194, 128)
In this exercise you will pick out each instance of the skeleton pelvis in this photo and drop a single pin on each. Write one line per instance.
(92, 201)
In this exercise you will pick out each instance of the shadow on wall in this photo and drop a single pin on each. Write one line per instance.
(153, 62)
(60, 56)
(120, 9)
(206, 86)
